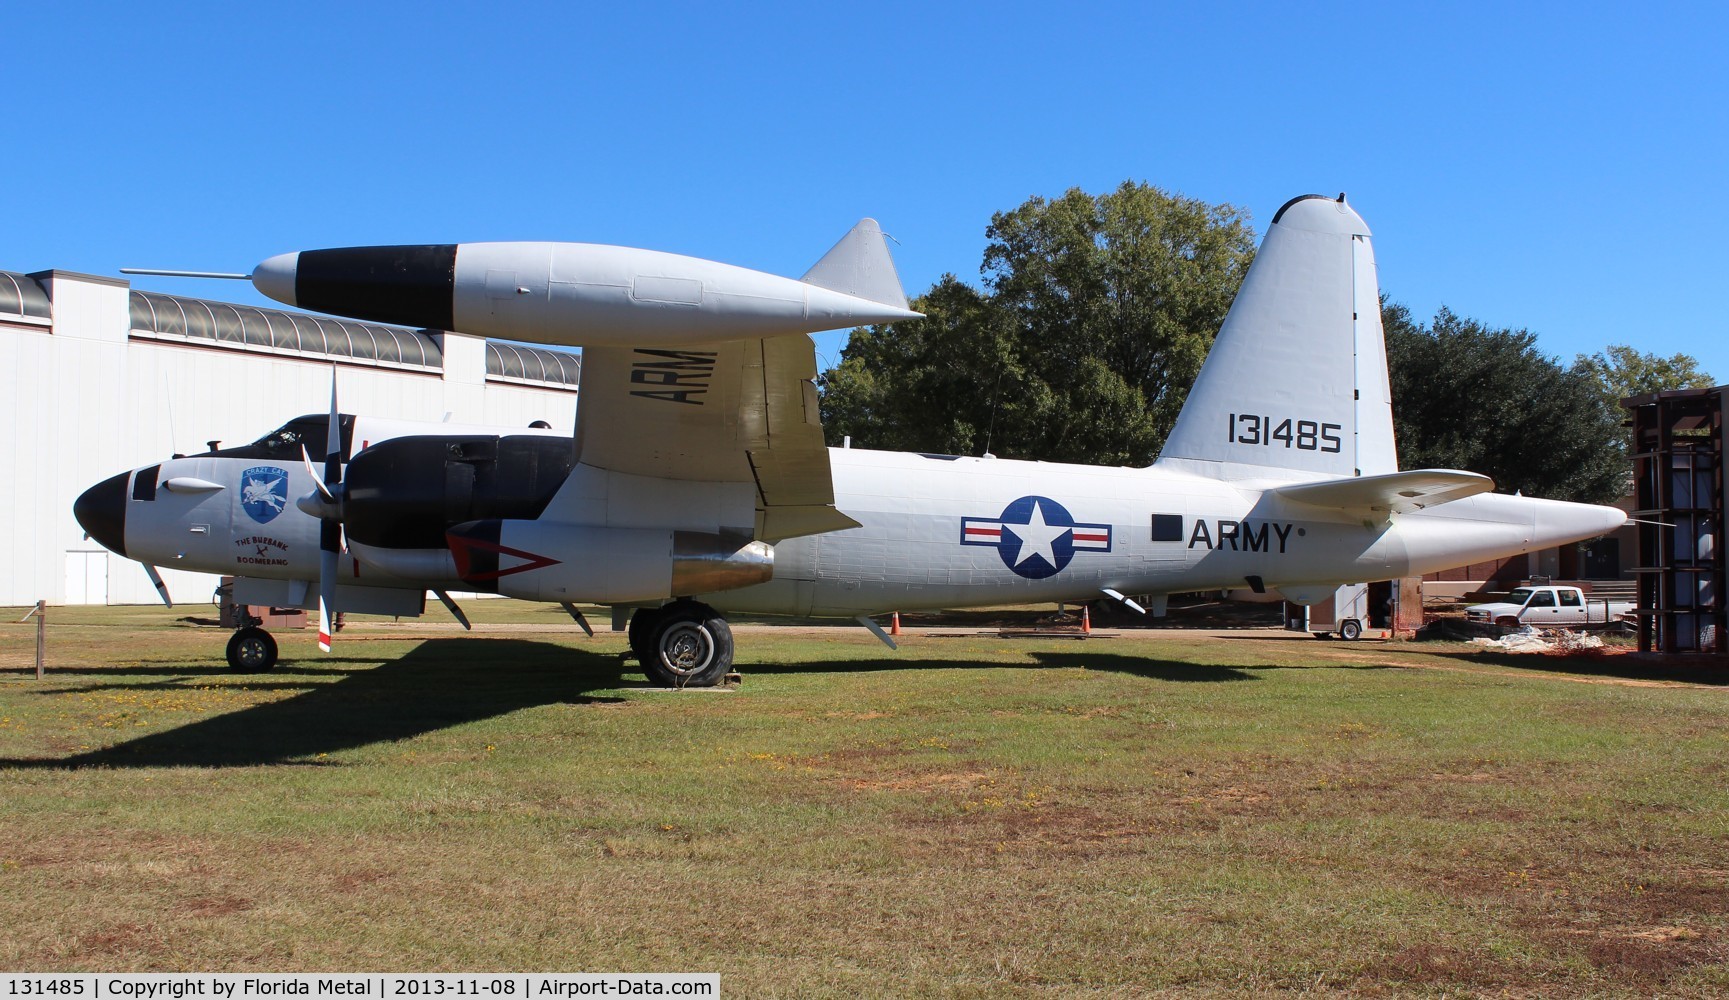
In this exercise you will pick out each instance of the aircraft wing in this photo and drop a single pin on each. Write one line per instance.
(740, 411)
(1394, 493)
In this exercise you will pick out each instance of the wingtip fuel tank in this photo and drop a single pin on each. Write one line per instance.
(588, 294)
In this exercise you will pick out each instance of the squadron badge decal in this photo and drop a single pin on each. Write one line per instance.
(1035, 536)
(263, 492)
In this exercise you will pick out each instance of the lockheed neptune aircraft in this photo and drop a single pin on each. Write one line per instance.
(697, 482)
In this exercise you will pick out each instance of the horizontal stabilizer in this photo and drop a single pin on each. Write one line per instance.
(1394, 493)
(860, 265)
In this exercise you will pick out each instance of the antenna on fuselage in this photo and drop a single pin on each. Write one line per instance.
(168, 404)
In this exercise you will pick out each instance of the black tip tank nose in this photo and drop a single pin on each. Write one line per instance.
(102, 511)
(411, 285)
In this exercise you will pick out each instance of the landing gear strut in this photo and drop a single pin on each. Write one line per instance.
(251, 650)
(683, 644)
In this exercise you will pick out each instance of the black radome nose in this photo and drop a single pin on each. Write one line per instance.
(101, 509)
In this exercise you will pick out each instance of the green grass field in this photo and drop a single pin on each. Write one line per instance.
(971, 816)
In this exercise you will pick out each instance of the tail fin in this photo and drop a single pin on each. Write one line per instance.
(1296, 385)
(860, 265)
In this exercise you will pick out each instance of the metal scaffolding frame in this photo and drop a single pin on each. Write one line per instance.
(1678, 494)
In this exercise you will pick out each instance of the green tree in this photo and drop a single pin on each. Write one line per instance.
(1468, 396)
(904, 387)
(1117, 299)
(1622, 371)
(1097, 314)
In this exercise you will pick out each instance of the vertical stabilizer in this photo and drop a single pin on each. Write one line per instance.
(1295, 387)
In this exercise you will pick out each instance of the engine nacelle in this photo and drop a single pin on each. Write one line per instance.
(407, 492)
(544, 561)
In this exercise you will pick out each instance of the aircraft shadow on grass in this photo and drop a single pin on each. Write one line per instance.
(1180, 671)
(450, 682)
(435, 686)
(1708, 672)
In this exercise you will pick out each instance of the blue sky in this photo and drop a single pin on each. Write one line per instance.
(1556, 167)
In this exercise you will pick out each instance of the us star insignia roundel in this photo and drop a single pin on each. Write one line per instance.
(1035, 536)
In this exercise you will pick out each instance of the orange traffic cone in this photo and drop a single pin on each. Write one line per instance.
(1086, 620)
(895, 624)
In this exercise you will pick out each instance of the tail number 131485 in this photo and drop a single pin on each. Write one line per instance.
(1304, 435)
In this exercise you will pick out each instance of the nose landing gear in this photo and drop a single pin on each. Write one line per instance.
(251, 650)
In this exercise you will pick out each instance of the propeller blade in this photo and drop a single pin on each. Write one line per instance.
(329, 530)
(576, 615)
(317, 480)
(455, 611)
(326, 596)
(333, 438)
(156, 581)
(1124, 601)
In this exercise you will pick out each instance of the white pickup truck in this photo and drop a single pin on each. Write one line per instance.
(1549, 607)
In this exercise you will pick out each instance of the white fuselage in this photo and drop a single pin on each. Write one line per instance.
(925, 538)
(936, 532)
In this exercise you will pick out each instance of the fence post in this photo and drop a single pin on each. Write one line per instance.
(41, 613)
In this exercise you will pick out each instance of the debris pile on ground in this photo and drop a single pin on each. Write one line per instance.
(1531, 640)
(1572, 642)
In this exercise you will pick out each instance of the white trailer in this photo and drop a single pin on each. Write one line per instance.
(1347, 613)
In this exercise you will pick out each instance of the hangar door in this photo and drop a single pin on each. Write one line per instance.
(87, 577)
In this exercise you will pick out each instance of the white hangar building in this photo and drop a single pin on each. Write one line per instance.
(105, 378)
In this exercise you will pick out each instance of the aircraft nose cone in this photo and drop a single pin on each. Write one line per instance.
(275, 277)
(101, 510)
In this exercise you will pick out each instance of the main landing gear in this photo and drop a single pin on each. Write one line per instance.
(682, 644)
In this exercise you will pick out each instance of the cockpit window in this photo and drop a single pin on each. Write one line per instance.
(291, 437)
(285, 443)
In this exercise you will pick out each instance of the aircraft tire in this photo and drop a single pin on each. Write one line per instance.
(251, 650)
(1350, 629)
(691, 646)
(641, 633)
